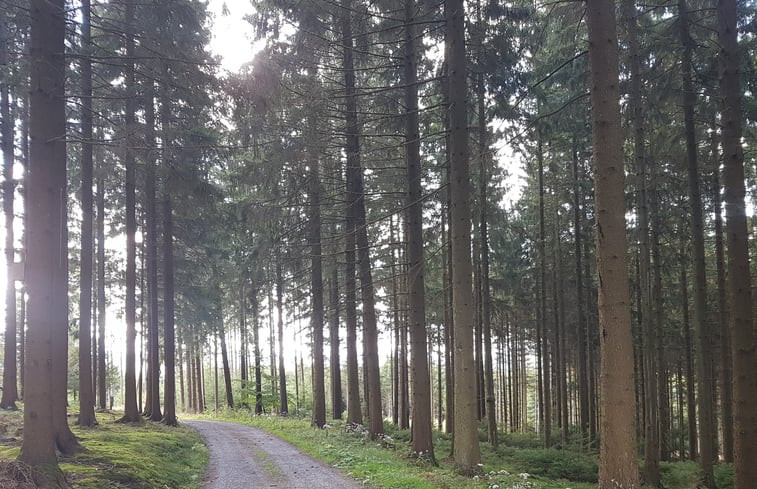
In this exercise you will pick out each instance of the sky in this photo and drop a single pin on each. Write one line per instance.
(232, 36)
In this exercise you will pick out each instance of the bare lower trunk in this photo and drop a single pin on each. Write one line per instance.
(704, 340)
(617, 465)
(130, 392)
(466, 452)
(10, 393)
(86, 394)
(284, 401)
(45, 265)
(422, 443)
(739, 278)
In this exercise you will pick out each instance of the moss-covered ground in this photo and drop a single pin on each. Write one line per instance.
(116, 456)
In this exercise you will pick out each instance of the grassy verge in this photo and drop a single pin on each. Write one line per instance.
(116, 456)
(392, 468)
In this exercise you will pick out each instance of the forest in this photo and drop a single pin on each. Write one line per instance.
(463, 220)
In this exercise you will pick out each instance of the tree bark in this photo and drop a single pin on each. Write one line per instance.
(580, 330)
(422, 443)
(86, 394)
(704, 340)
(356, 199)
(726, 364)
(45, 265)
(617, 465)
(130, 392)
(690, 395)
(254, 305)
(543, 345)
(739, 278)
(316, 283)
(225, 363)
(101, 300)
(169, 341)
(10, 372)
(284, 401)
(336, 373)
(354, 413)
(466, 452)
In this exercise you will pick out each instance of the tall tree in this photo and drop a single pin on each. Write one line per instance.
(10, 377)
(130, 387)
(45, 264)
(704, 355)
(739, 278)
(314, 241)
(86, 392)
(101, 299)
(651, 435)
(421, 389)
(356, 201)
(169, 340)
(617, 463)
(466, 451)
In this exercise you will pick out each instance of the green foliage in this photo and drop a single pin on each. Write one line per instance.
(724, 476)
(554, 464)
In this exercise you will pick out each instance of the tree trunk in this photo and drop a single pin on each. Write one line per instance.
(483, 160)
(130, 388)
(169, 341)
(316, 284)
(651, 472)
(254, 304)
(690, 397)
(225, 363)
(10, 373)
(543, 347)
(101, 300)
(354, 414)
(466, 452)
(726, 364)
(44, 264)
(356, 199)
(422, 443)
(394, 240)
(284, 402)
(336, 373)
(86, 395)
(580, 331)
(739, 278)
(617, 465)
(704, 359)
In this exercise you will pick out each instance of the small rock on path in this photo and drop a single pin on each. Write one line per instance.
(243, 457)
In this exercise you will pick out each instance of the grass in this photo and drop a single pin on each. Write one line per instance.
(519, 463)
(117, 456)
(376, 466)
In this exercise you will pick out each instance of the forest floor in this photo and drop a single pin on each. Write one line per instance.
(150, 455)
(520, 462)
(142, 455)
(242, 455)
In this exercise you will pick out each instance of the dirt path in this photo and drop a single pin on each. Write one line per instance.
(243, 457)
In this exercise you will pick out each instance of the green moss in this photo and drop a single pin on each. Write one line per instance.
(138, 456)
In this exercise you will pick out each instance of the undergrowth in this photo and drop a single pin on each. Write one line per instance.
(388, 464)
(519, 462)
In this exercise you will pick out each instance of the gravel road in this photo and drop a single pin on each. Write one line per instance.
(242, 457)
